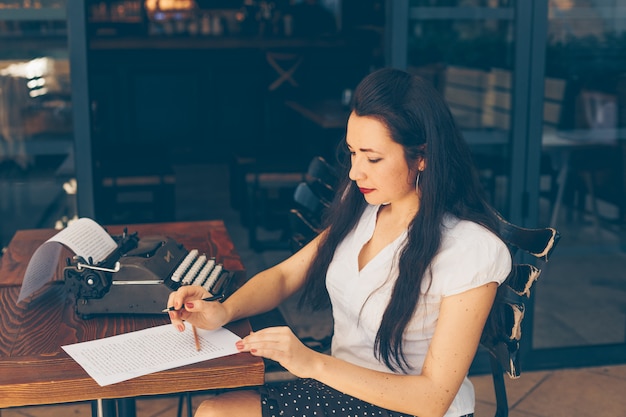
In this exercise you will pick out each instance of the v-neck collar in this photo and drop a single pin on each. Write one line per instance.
(369, 225)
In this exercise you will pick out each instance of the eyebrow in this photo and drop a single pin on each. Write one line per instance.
(363, 149)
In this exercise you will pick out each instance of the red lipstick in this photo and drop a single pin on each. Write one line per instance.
(366, 190)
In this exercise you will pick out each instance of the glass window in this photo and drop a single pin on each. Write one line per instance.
(583, 191)
(467, 52)
(37, 182)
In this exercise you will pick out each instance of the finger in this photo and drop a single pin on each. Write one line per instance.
(277, 339)
(173, 300)
(195, 306)
(271, 333)
(177, 299)
(281, 345)
(268, 349)
(177, 320)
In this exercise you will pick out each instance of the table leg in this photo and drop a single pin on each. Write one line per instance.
(124, 407)
(103, 408)
(185, 399)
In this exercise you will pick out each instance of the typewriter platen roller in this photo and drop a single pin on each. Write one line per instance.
(138, 277)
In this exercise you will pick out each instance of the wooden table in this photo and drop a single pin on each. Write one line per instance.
(35, 370)
(561, 144)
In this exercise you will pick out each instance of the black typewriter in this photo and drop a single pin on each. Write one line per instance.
(139, 275)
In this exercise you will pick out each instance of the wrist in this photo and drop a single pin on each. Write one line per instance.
(318, 365)
(229, 314)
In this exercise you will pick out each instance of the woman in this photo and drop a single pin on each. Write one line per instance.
(409, 262)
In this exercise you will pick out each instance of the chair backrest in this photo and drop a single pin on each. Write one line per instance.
(322, 178)
(303, 229)
(311, 198)
(309, 201)
(319, 168)
(503, 330)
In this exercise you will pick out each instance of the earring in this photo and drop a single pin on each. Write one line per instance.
(417, 181)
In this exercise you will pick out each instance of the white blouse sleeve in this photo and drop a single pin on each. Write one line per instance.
(470, 256)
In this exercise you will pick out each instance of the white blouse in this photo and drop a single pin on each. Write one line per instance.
(470, 256)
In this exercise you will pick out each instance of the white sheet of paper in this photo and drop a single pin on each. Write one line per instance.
(84, 237)
(129, 355)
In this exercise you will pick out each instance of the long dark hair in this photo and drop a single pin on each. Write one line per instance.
(417, 118)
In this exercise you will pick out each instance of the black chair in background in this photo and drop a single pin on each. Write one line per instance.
(311, 198)
(271, 191)
(503, 330)
(322, 177)
(310, 201)
(303, 229)
(262, 190)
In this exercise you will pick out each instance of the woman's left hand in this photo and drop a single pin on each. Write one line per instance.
(281, 345)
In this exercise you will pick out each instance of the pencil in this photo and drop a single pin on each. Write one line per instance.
(195, 337)
(212, 298)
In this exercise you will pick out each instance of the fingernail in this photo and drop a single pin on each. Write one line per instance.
(189, 305)
(252, 350)
(239, 345)
(181, 328)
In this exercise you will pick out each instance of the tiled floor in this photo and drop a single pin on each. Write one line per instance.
(585, 392)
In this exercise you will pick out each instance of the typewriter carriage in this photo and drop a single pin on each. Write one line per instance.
(137, 277)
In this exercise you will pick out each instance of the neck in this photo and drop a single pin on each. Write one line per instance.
(401, 212)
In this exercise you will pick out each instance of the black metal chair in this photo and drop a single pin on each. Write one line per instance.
(303, 229)
(308, 200)
(311, 197)
(268, 191)
(502, 333)
(322, 177)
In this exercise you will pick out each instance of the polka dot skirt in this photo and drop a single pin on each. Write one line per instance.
(311, 398)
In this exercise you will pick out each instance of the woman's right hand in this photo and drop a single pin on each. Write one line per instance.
(189, 307)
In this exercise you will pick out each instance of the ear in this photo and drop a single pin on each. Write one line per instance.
(420, 164)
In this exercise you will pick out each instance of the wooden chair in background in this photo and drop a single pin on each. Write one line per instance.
(285, 65)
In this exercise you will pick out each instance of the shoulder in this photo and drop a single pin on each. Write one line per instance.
(470, 255)
(465, 234)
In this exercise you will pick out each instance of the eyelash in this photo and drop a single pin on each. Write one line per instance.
(373, 161)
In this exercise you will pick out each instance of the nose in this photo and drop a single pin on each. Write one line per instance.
(356, 172)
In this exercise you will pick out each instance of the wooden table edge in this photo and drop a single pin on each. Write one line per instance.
(180, 380)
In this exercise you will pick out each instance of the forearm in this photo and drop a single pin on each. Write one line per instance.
(409, 394)
(261, 293)
(267, 289)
